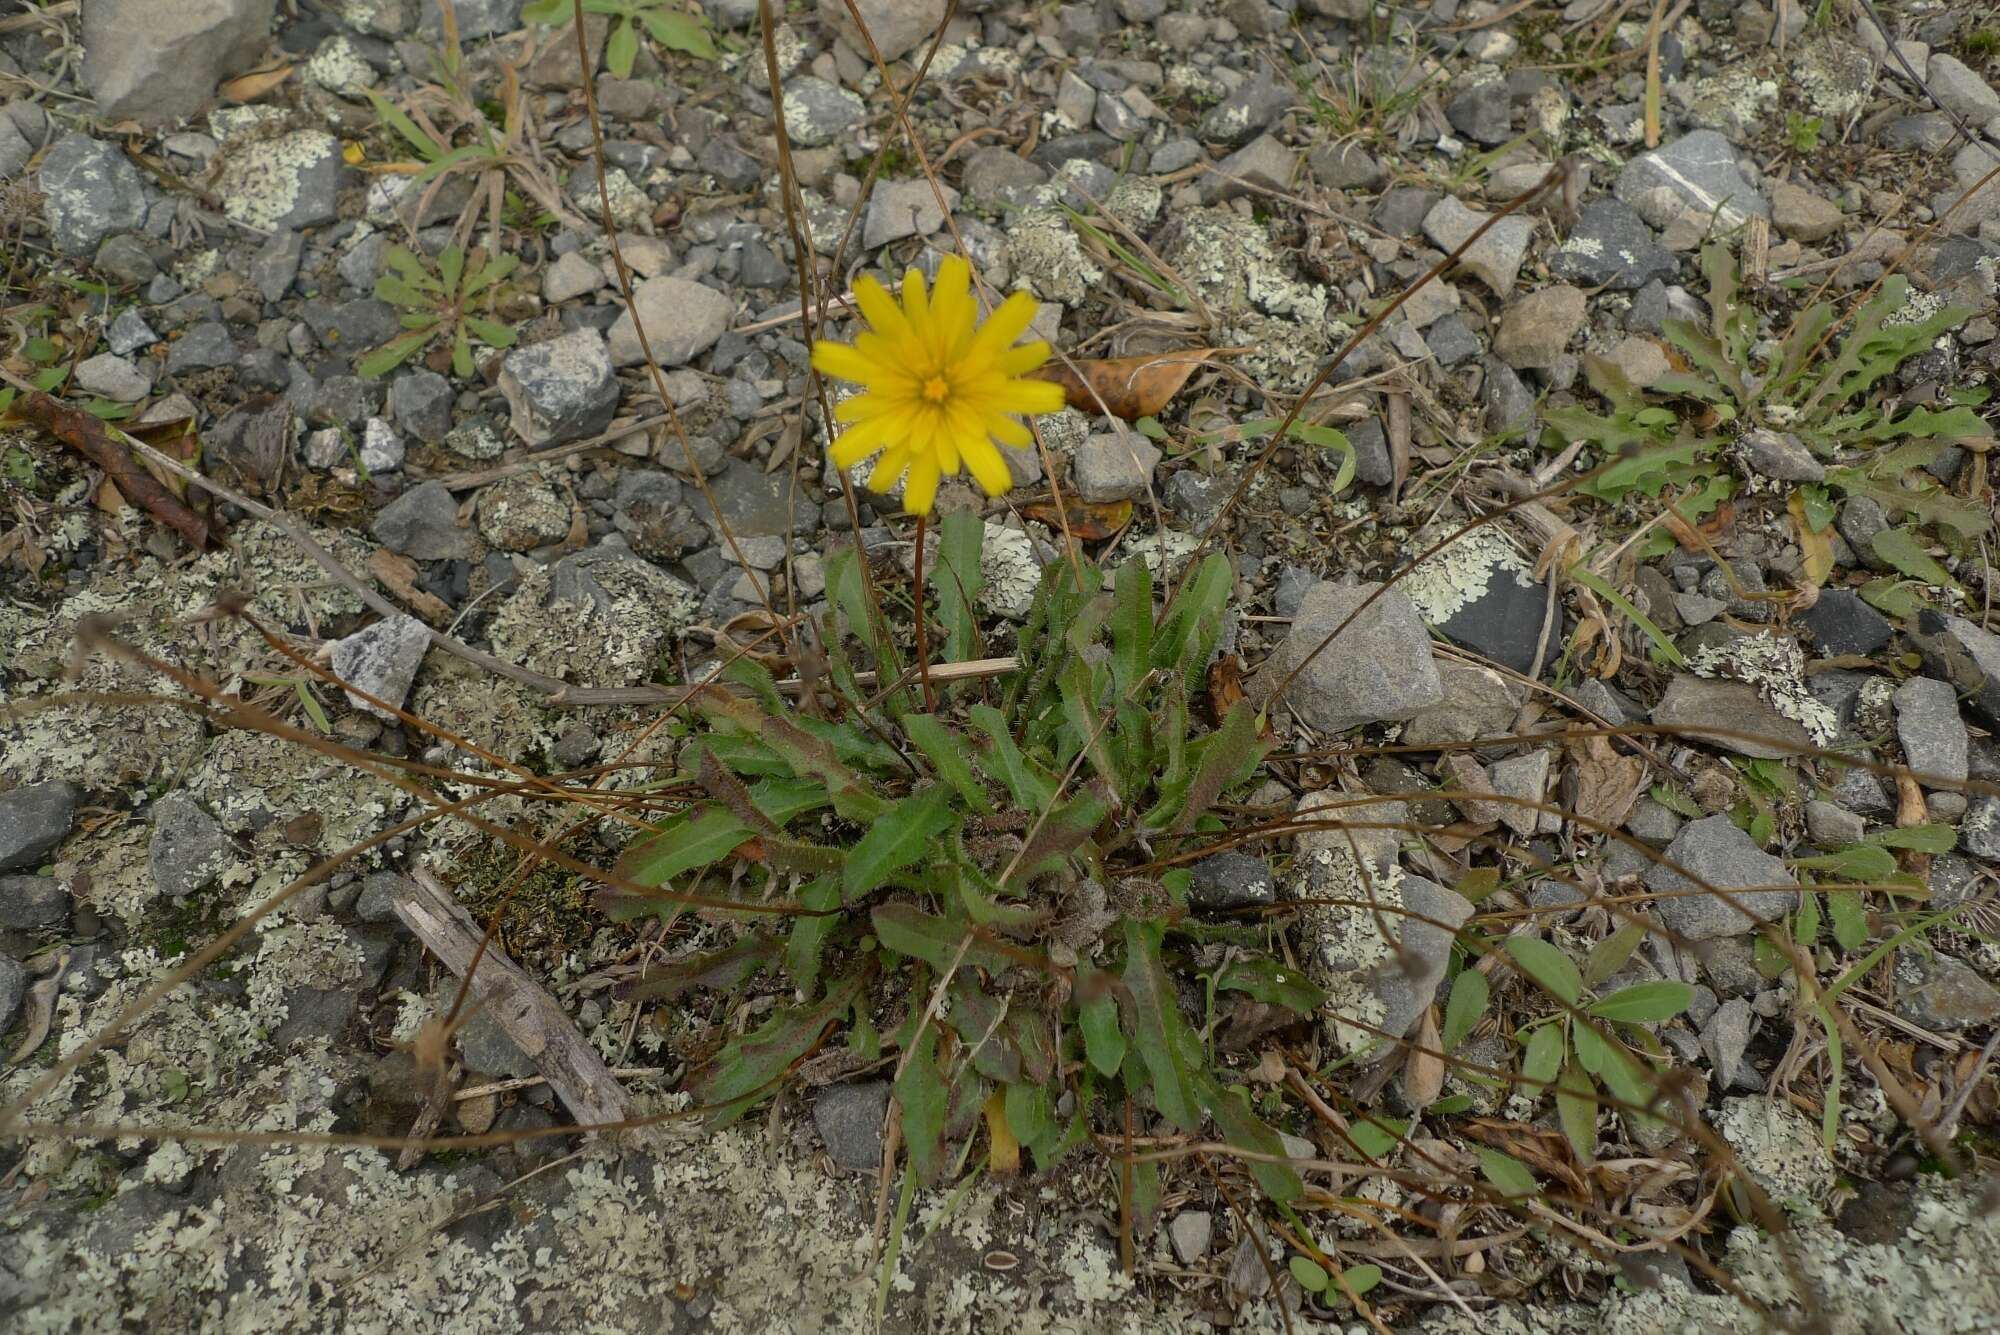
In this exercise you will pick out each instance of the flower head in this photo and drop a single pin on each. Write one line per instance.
(941, 388)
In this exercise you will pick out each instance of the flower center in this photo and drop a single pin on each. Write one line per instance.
(935, 389)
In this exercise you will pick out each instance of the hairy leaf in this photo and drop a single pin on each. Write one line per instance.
(1160, 1036)
(1548, 966)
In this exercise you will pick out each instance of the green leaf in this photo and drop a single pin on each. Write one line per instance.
(1866, 863)
(1576, 1109)
(1923, 838)
(1849, 918)
(1272, 982)
(1308, 1273)
(925, 1098)
(959, 581)
(1029, 787)
(1246, 1131)
(708, 836)
(946, 751)
(1159, 1034)
(622, 49)
(1644, 1003)
(718, 970)
(680, 32)
(1063, 832)
(938, 942)
(1548, 966)
(1542, 1060)
(546, 12)
(491, 332)
(1029, 1119)
(1360, 1279)
(1375, 1136)
(1131, 627)
(427, 148)
(808, 937)
(1900, 548)
(747, 1071)
(1664, 649)
(392, 354)
(1469, 994)
(1103, 1040)
(1228, 757)
(1609, 955)
(1508, 1174)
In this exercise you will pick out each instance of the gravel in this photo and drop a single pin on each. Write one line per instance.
(1724, 857)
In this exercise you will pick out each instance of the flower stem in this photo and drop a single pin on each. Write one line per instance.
(923, 635)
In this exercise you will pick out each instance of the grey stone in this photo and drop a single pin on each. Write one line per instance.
(276, 264)
(112, 377)
(1779, 455)
(1535, 328)
(898, 27)
(1231, 881)
(1842, 623)
(1118, 116)
(16, 149)
(649, 509)
(1510, 404)
(1612, 247)
(1697, 703)
(381, 659)
(1524, 778)
(1722, 855)
(751, 505)
(1725, 1038)
(899, 209)
(420, 402)
(92, 191)
(32, 903)
(1967, 656)
(1859, 790)
(817, 112)
(1475, 702)
(1803, 216)
(1924, 132)
(1248, 110)
(423, 523)
(1482, 112)
(1402, 209)
(1262, 162)
(381, 448)
(1935, 742)
(13, 986)
(33, 820)
(1000, 178)
(1115, 466)
(156, 64)
(1190, 1234)
(344, 401)
(1833, 826)
(1344, 166)
(189, 850)
(1173, 156)
(1979, 829)
(849, 1118)
(488, 1049)
(476, 18)
(1939, 992)
(1652, 823)
(562, 389)
(1958, 88)
(202, 348)
(1495, 258)
(379, 892)
(570, 277)
(290, 182)
(1699, 172)
(1377, 669)
(682, 320)
(125, 259)
(1408, 981)
(1451, 341)
(130, 333)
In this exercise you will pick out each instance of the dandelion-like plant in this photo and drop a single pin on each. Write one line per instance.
(941, 388)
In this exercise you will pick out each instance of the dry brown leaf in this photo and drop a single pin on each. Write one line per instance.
(1127, 387)
(1814, 543)
(257, 83)
(1423, 1073)
(398, 574)
(1607, 784)
(1225, 685)
(1091, 521)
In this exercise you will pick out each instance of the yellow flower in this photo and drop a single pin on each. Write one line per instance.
(941, 387)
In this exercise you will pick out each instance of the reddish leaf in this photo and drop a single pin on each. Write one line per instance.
(1091, 521)
(1127, 387)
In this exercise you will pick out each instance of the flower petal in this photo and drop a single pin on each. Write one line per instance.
(880, 309)
(985, 462)
(916, 305)
(887, 469)
(1006, 324)
(838, 359)
(953, 313)
(1021, 360)
(858, 442)
(1030, 396)
(1010, 432)
(920, 488)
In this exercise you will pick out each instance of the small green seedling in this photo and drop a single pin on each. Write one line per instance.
(669, 24)
(447, 303)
